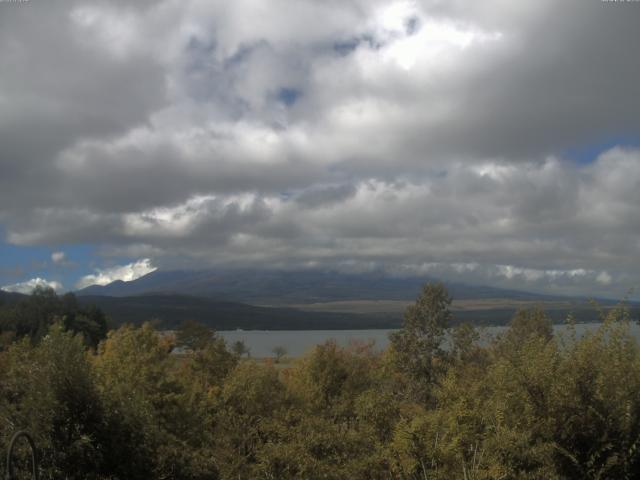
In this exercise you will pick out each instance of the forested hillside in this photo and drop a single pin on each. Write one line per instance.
(169, 311)
(528, 405)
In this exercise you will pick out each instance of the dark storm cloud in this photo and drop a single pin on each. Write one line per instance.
(570, 78)
(56, 90)
(405, 135)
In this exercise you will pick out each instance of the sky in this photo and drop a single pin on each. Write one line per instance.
(492, 142)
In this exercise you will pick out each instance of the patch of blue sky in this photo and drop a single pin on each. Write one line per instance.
(589, 153)
(288, 96)
(22, 263)
(346, 47)
(412, 25)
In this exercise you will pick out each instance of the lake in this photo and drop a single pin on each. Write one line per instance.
(297, 342)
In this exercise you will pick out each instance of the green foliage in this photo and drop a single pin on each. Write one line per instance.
(251, 395)
(49, 390)
(418, 345)
(525, 326)
(208, 367)
(136, 376)
(330, 378)
(436, 405)
(240, 349)
(194, 335)
(279, 352)
(32, 317)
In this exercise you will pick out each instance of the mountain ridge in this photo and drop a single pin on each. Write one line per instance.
(276, 287)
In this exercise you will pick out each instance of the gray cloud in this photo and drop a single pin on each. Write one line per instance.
(363, 134)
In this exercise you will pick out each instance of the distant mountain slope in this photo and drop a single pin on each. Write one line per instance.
(10, 297)
(282, 287)
(168, 311)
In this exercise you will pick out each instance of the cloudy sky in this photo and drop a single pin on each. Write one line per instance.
(494, 142)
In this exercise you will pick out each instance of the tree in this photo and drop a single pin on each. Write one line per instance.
(33, 316)
(464, 340)
(251, 397)
(418, 345)
(193, 335)
(329, 378)
(90, 323)
(240, 349)
(208, 367)
(279, 352)
(48, 389)
(134, 375)
(525, 326)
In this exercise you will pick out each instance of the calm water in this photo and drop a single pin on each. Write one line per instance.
(261, 343)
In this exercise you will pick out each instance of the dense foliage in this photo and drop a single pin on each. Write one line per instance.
(32, 316)
(439, 403)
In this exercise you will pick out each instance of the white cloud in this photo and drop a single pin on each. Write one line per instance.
(28, 286)
(126, 273)
(435, 45)
(533, 275)
(604, 278)
(58, 257)
(111, 29)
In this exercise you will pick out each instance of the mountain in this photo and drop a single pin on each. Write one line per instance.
(275, 287)
(304, 301)
(169, 311)
(7, 298)
(299, 300)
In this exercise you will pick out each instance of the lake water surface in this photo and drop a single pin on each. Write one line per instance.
(297, 342)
